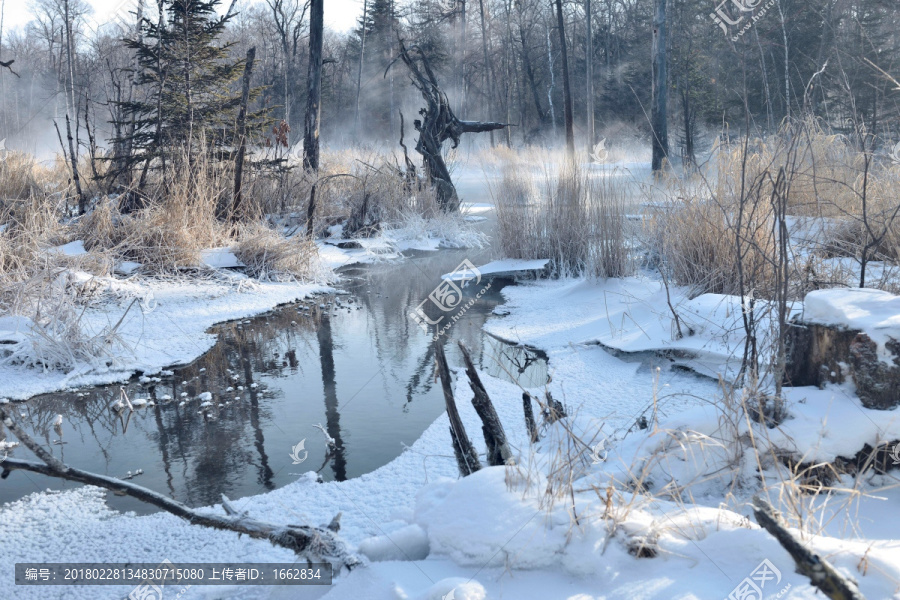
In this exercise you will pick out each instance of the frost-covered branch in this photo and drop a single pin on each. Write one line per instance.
(309, 542)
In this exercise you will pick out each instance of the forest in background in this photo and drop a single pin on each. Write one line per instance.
(498, 60)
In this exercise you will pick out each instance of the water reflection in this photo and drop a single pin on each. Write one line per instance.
(353, 362)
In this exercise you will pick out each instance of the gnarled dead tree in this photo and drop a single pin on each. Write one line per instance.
(437, 125)
(308, 542)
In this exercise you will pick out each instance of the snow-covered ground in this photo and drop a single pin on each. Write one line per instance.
(572, 519)
(157, 324)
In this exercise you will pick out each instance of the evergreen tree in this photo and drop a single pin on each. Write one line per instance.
(189, 101)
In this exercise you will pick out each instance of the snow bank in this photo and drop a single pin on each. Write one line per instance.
(630, 315)
(502, 267)
(166, 326)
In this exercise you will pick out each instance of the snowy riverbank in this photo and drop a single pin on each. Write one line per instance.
(498, 533)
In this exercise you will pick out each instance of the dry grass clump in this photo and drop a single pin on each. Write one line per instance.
(172, 230)
(696, 242)
(52, 335)
(719, 232)
(823, 167)
(357, 185)
(20, 176)
(269, 255)
(573, 218)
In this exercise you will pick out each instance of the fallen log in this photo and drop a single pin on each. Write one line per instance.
(466, 456)
(498, 452)
(820, 572)
(315, 544)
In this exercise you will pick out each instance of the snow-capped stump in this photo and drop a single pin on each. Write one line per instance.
(205, 396)
(848, 332)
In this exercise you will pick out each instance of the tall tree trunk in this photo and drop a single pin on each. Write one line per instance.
(124, 150)
(508, 54)
(660, 136)
(82, 201)
(314, 87)
(567, 89)
(529, 70)
(362, 57)
(461, 56)
(242, 134)
(589, 73)
(787, 65)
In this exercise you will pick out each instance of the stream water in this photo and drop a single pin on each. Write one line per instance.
(353, 362)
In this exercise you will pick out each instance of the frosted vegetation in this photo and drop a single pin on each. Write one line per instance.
(670, 268)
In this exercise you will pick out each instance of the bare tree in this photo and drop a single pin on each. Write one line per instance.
(362, 58)
(567, 89)
(658, 123)
(314, 86)
(288, 17)
(589, 73)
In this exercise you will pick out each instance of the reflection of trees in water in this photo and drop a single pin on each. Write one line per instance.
(332, 416)
(404, 286)
(187, 441)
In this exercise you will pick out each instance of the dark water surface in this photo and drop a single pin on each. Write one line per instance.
(354, 363)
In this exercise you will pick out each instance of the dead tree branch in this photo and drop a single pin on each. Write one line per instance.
(529, 417)
(498, 452)
(8, 65)
(466, 456)
(820, 572)
(311, 543)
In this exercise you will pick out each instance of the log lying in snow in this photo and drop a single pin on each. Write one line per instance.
(820, 572)
(314, 544)
(494, 436)
(466, 456)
